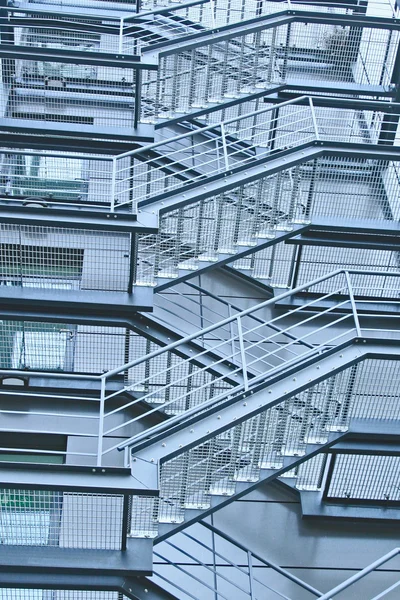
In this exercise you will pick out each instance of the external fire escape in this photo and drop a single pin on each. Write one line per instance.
(142, 147)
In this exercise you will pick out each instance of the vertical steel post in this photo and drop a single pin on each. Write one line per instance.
(113, 183)
(121, 36)
(231, 333)
(101, 421)
(212, 9)
(353, 304)
(225, 146)
(250, 567)
(242, 353)
(314, 118)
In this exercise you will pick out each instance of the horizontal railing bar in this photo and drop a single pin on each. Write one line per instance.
(183, 571)
(38, 451)
(50, 154)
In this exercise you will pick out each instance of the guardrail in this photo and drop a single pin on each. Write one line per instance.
(216, 362)
(362, 574)
(243, 575)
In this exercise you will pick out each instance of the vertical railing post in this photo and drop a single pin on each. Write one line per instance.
(224, 146)
(250, 567)
(101, 421)
(231, 333)
(127, 457)
(314, 118)
(121, 36)
(113, 183)
(242, 353)
(353, 304)
(212, 9)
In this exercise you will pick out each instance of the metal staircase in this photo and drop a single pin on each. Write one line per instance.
(141, 146)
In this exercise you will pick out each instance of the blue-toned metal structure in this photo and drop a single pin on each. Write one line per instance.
(199, 299)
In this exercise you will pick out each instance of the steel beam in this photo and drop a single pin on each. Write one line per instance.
(355, 239)
(365, 305)
(142, 133)
(136, 560)
(51, 214)
(71, 478)
(86, 145)
(376, 445)
(313, 506)
(120, 61)
(76, 301)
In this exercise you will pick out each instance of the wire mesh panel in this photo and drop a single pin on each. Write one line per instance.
(64, 259)
(310, 474)
(62, 519)
(317, 260)
(72, 33)
(220, 224)
(220, 71)
(56, 176)
(214, 467)
(327, 187)
(69, 93)
(65, 347)
(365, 477)
(142, 517)
(45, 594)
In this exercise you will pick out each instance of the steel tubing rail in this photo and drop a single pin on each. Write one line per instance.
(266, 562)
(372, 567)
(244, 313)
(226, 321)
(209, 128)
(211, 401)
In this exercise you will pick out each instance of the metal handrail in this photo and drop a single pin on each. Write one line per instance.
(263, 560)
(372, 567)
(247, 571)
(243, 313)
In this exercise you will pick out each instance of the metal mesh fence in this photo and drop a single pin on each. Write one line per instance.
(216, 72)
(65, 347)
(52, 594)
(62, 519)
(310, 474)
(365, 477)
(56, 176)
(64, 259)
(143, 515)
(316, 261)
(68, 93)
